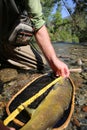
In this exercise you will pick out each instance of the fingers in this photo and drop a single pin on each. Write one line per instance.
(63, 71)
(60, 68)
(66, 72)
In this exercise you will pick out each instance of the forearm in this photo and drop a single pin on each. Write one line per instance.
(44, 42)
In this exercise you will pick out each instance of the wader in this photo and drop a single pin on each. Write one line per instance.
(25, 56)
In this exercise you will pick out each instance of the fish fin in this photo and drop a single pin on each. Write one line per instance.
(30, 111)
(55, 86)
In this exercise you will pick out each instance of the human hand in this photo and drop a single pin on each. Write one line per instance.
(11, 128)
(60, 68)
(3, 127)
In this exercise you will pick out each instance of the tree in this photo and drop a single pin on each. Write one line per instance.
(72, 28)
(80, 20)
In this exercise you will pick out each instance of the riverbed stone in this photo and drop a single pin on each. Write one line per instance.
(8, 74)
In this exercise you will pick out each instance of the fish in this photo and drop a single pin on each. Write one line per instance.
(52, 108)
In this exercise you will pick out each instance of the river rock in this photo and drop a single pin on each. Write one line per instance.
(8, 74)
(84, 76)
(84, 108)
(76, 122)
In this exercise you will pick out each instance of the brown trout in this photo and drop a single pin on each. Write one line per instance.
(52, 108)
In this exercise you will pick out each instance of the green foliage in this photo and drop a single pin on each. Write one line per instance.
(47, 7)
(57, 20)
(80, 20)
(73, 28)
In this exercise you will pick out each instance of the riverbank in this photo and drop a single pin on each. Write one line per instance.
(75, 56)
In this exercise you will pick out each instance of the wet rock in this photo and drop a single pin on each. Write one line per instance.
(83, 124)
(79, 62)
(77, 79)
(85, 69)
(84, 108)
(84, 75)
(84, 60)
(80, 99)
(76, 122)
(8, 74)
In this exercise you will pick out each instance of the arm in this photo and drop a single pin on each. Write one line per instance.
(44, 42)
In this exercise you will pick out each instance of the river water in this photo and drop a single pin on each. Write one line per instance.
(75, 56)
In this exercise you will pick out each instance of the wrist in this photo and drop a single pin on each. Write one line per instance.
(53, 59)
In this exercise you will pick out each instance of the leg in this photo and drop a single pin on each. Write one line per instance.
(25, 57)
